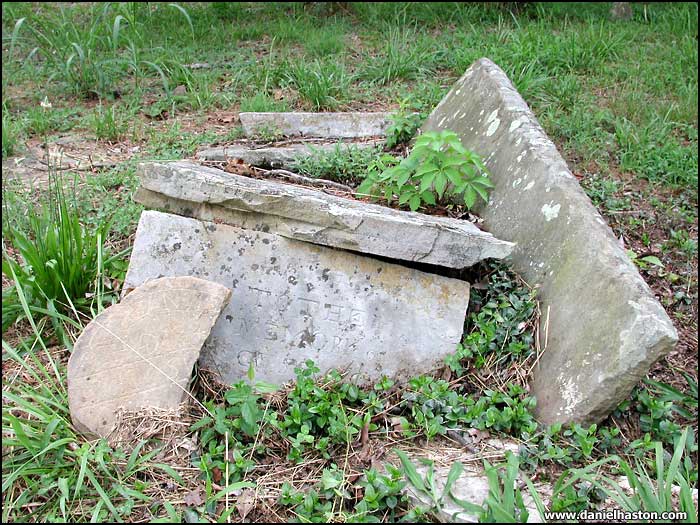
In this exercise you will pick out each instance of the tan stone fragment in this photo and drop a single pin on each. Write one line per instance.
(140, 352)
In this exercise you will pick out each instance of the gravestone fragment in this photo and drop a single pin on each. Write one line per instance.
(471, 486)
(604, 327)
(294, 301)
(139, 353)
(313, 216)
(278, 156)
(326, 125)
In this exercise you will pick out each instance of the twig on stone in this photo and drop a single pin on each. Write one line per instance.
(300, 179)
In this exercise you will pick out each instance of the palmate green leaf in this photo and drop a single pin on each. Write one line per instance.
(405, 197)
(440, 184)
(402, 178)
(365, 187)
(482, 193)
(427, 181)
(428, 197)
(482, 181)
(469, 197)
(453, 176)
(389, 193)
(414, 202)
(426, 168)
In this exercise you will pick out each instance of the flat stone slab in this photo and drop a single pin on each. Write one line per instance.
(330, 125)
(294, 301)
(139, 353)
(604, 326)
(471, 486)
(309, 215)
(278, 156)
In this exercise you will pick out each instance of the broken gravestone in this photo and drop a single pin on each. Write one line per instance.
(310, 215)
(327, 125)
(294, 301)
(602, 327)
(280, 156)
(139, 353)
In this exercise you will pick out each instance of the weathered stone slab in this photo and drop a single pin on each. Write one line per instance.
(139, 353)
(313, 216)
(294, 301)
(471, 486)
(331, 125)
(279, 156)
(605, 327)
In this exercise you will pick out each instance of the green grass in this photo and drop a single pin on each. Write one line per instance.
(322, 85)
(10, 135)
(108, 123)
(344, 163)
(262, 102)
(579, 70)
(62, 260)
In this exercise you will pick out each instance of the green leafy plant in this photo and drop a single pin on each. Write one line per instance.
(499, 324)
(434, 407)
(382, 498)
(645, 262)
(656, 414)
(427, 488)
(649, 492)
(576, 498)
(437, 167)
(505, 503)
(684, 404)
(318, 416)
(509, 412)
(404, 124)
(584, 439)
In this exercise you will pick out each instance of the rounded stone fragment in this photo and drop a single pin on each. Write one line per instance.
(139, 353)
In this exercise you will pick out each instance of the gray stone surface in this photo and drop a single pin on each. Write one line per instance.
(605, 327)
(472, 485)
(331, 125)
(139, 353)
(314, 216)
(278, 156)
(294, 301)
